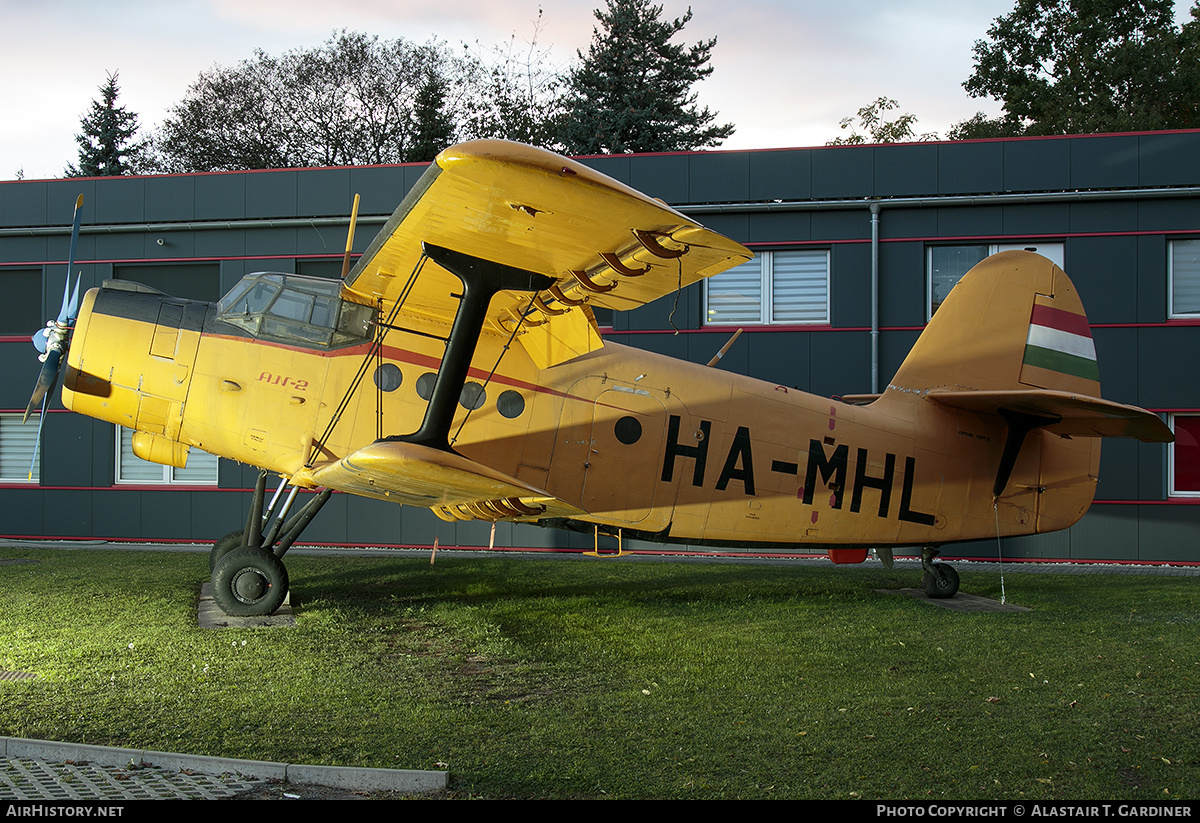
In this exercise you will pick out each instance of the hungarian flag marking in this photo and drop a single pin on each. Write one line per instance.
(1062, 342)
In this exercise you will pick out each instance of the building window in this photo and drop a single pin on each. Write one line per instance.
(1184, 274)
(776, 287)
(17, 443)
(21, 309)
(201, 467)
(1184, 455)
(191, 281)
(945, 265)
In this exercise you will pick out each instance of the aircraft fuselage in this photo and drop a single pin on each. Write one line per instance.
(633, 440)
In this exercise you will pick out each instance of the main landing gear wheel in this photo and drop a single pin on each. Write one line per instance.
(249, 582)
(231, 541)
(940, 580)
(248, 577)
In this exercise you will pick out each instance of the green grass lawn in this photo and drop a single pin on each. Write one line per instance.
(540, 678)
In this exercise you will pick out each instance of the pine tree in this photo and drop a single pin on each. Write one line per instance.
(433, 128)
(106, 146)
(633, 90)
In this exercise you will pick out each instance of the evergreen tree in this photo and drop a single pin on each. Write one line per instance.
(633, 90)
(106, 146)
(433, 127)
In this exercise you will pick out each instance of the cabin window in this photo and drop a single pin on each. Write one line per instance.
(292, 309)
(201, 469)
(1184, 276)
(1184, 455)
(17, 442)
(776, 287)
(945, 265)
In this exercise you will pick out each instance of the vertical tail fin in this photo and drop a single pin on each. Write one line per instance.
(1012, 343)
(1013, 322)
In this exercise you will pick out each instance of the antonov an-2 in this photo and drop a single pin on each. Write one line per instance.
(458, 367)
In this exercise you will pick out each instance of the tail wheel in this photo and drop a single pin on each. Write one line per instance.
(249, 582)
(940, 580)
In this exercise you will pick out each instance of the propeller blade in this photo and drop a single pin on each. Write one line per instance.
(73, 306)
(70, 303)
(37, 441)
(47, 377)
(62, 312)
(53, 340)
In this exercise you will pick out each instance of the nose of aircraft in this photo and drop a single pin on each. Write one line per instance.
(131, 361)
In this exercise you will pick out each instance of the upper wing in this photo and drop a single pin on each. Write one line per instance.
(602, 241)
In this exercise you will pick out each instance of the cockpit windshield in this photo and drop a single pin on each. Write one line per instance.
(292, 308)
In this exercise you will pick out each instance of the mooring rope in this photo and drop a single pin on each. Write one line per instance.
(999, 548)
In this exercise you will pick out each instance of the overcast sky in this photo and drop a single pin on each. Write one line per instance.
(786, 71)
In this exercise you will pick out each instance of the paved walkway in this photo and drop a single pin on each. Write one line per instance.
(39, 770)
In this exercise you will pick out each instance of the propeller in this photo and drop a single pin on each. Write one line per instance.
(54, 340)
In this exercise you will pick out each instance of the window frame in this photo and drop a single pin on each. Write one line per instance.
(1058, 257)
(10, 422)
(1172, 314)
(767, 309)
(124, 450)
(1172, 491)
(23, 302)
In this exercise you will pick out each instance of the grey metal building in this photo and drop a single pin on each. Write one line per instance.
(1120, 213)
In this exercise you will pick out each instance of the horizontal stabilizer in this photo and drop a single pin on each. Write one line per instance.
(1078, 415)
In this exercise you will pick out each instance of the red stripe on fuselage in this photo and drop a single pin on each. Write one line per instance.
(406, 356)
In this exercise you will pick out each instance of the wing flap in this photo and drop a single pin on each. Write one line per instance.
(1079, 415)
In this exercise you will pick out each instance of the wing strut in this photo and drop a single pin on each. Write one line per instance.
(482, 280)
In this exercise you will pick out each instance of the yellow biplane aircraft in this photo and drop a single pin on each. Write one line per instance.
(458, 367)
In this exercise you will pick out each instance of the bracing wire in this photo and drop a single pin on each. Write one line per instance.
(373, 351)
(379, 333)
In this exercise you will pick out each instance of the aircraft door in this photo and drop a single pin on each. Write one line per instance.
(625, 445)
(166, 377)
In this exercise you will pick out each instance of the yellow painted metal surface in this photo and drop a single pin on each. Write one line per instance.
(533, 210)
(566, 426)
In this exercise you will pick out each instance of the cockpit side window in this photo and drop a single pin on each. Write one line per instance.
(307, 311)
(294, 305)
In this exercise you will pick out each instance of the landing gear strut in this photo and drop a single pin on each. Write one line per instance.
(940, 579)
(248, 576)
